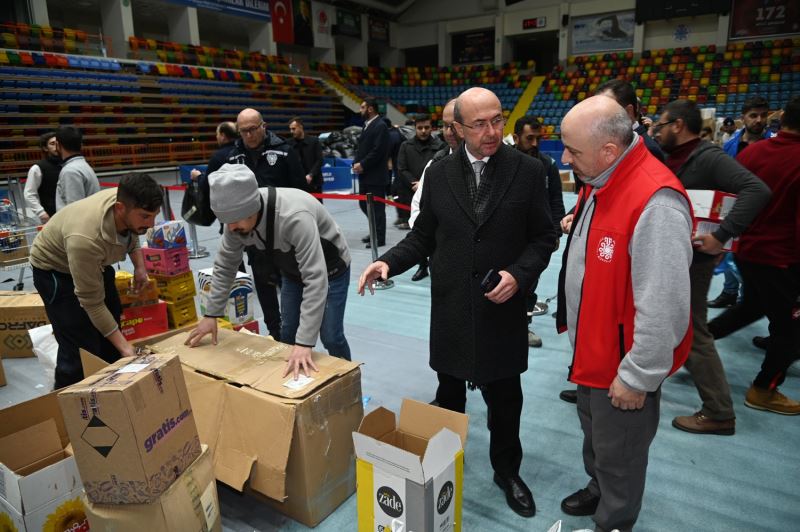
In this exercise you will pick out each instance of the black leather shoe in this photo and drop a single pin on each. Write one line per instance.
(582, 502)
(761, 342)
(570, 396)
(518, 496)
(723, 300)
(420, 274)
(380, 244)
(365, 239)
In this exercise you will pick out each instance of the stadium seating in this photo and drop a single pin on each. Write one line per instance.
(721, 79)
(142, 114)
(32, 37)
(425, 90)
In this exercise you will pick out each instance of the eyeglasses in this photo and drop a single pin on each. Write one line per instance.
(250, 130)
(448, 125)
(482, 125)
(657, 127)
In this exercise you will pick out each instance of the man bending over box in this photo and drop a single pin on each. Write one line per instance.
(302, 240)
(72, 269)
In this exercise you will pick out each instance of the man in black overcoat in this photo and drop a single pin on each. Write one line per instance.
(485, 208)
(371, 164)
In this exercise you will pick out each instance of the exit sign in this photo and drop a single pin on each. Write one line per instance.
(533, 23)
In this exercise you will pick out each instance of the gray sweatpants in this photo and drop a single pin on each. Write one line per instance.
(616, 444)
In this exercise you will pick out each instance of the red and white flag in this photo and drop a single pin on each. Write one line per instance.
(282, 21)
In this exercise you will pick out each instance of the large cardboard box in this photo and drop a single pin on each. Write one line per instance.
(132, 429)
(411, 472)
(290, 441)
(39, 483)
(190, 504)
(19, 311)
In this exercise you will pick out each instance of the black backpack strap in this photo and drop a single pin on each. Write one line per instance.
(270, 236)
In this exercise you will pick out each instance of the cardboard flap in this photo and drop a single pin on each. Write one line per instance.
(378, 423)
(14, 299)
(425, 421)
(253, 361)
(233, 467)
(24, 415)
(391, 459)
(30, 445)
(91, 363)
(50, 483)
(440, 452)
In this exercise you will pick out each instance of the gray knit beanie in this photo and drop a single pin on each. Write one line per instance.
(234, 193)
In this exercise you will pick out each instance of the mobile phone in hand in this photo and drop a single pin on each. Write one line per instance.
(490, 281)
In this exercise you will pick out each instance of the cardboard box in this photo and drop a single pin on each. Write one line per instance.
(19, 312)
(298, 450)
(132, 429)
(411, 471)
(166, 261)
(146, 296)
(251, 326)
(190, 504)
(703, 226)
(711, 204)
(239, 307)
(181, 313)
(174, 288)
(39, 483)
(144, 320)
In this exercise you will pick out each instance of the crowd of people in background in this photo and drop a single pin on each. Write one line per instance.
(485, 218)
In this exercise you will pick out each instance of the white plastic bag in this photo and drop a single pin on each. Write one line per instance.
(46, 349)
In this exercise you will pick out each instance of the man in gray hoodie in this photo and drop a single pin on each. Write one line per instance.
(301, 238)
(625, 274)
(77, 179)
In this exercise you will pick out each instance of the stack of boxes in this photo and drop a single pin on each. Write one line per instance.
(239, 308)
(166, 258)
(137, 449)
(143, 314)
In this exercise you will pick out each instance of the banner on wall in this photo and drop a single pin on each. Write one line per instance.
(303, 23)
(348, 23)
(259, 9)
(472, 47)
(322, 16)
(764, 18)
(603, 32)
(378, 30)
(282, 21)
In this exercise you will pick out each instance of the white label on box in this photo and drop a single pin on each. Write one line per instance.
(389, 500)
(209, 502)
(301, 382)
(132, 368)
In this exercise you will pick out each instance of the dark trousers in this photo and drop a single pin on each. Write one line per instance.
(504, 402)
(380, 209)
(266, 279)
(773, 292)
(616, 445)
(72, 327)
(704, 363)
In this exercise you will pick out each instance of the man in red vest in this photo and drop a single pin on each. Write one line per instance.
(624, 299)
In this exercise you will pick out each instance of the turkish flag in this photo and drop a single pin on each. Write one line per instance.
(282, 25)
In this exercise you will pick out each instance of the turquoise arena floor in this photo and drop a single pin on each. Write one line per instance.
(747, 482)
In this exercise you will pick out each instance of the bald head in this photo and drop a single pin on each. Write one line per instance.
(448, 129)
(595, 133)
(251, 127)
(479, 121)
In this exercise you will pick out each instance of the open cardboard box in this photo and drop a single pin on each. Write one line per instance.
(39, 483)
(290, 441)
(411, 470)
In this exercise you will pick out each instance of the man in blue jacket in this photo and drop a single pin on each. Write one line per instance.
(371, 164)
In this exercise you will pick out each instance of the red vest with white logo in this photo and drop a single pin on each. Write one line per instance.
(606, 315)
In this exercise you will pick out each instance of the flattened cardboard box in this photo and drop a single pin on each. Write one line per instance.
(290, 441)
(132, 429)
(411, 472)
(19, 312)
(190, 504)
(39, 483)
